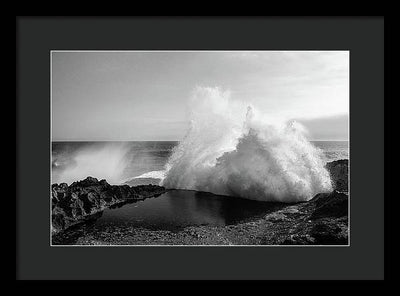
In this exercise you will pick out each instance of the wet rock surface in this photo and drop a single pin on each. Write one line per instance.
(323, 220)
(84, 200)
(339, 171)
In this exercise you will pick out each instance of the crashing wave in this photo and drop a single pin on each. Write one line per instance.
(231, 150)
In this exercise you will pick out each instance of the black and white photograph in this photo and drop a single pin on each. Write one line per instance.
(199, 148)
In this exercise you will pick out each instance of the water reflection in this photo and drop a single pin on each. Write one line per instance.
(181, 208)
(172, 211)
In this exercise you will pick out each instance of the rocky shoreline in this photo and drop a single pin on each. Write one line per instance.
(321, 221)
(84, 200)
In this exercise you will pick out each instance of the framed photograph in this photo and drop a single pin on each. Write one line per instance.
(201, 157)
(145, 152)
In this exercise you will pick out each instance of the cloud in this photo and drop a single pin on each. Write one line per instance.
(327, 128)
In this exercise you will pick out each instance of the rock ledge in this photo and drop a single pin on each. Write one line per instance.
(82, 200)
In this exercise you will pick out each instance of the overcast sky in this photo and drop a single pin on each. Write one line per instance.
(144, 95)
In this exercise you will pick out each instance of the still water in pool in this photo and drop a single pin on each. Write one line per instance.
(176, 209)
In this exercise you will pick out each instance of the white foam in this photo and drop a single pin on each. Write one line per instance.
(102, 161)
(152, 175)
(231, 150)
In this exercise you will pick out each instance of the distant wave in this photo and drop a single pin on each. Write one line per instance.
(231, 150)
(104, 161)
(152, 174)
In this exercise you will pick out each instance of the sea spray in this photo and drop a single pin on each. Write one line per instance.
(231, 150)
(99, 160)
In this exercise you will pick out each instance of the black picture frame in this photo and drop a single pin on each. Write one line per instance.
(363, 36)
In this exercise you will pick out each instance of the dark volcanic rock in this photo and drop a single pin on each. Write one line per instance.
(321, 221)
(339, 171)
(299, 240)
(334, 204)
(329, 218)
(330, 232)
(82, 200)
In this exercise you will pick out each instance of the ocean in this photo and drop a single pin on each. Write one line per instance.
(134, 163)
